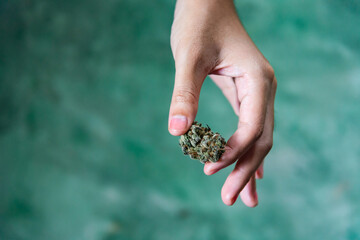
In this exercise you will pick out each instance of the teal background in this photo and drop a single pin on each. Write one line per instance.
(85, 88)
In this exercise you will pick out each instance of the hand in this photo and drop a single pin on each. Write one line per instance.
(208, 38)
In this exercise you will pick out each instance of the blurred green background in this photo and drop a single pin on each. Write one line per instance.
(85, 88)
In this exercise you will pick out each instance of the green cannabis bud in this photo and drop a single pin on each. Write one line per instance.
(202, 144)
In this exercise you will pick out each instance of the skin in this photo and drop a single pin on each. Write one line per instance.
(207, 38)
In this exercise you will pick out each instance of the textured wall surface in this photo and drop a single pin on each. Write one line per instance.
(85, 88)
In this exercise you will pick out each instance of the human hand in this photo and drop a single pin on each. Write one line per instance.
(208, 38)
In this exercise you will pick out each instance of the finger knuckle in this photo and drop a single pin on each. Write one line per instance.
(274, 84)
(266, 146)
(256, 130)
(184, 95)
(268, 72)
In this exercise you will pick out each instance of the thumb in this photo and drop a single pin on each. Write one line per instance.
(185, 98)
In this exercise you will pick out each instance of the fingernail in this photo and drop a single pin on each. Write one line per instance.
(178, 123)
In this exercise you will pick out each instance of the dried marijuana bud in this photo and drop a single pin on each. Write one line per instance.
(203, 144)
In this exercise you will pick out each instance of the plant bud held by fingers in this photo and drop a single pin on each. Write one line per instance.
(202, 144)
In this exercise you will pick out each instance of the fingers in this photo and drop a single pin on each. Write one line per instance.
(241, 176)
(248, 194)
(254, 98)
(270, 118)
(184, 103)
(246, 166)
(227, 86)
